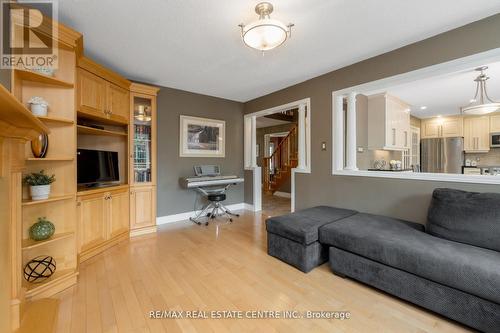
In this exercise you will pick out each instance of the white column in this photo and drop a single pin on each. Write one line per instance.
(248, 141)
(351, 163)
(302, 137)
(253, 154)
(338, 125)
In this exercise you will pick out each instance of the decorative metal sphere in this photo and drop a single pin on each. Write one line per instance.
(41, 230)
(39, 269)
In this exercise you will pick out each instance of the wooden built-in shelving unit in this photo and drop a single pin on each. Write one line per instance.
(60, 207)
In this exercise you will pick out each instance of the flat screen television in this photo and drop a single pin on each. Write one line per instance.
(97, 167)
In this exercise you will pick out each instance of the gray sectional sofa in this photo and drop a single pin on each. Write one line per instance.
(450, 266)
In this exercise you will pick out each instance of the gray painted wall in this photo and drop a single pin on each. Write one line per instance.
(399, 198)
(172, 199)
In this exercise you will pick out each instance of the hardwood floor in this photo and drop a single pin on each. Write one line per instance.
(223, 267)
(273, 205)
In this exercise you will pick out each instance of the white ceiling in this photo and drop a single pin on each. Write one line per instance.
(268, 122)
(444, 95)
(195, 45)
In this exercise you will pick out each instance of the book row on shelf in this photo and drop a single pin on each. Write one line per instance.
(142, 132)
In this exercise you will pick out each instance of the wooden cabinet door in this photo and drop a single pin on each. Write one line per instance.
(452, 127)
(92, 221)
(91, 93)
(430, 129)
(495, 124)
(118, 103)
(118, 213)
(142, 207)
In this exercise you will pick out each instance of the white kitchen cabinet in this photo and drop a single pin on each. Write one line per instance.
(495, 123)
(477, 134)
(442, 127)
(388, 123)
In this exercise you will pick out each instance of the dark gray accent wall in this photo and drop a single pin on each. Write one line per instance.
(5, 78)
(399, 198)
(172, 199)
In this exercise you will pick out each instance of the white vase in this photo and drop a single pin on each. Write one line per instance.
(39, 192)
(39, 110)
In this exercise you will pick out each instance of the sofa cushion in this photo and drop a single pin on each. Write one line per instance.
(466, 217)
(302, 226)
(404, 246)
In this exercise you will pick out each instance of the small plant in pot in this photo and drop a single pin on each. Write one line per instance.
(39, 184)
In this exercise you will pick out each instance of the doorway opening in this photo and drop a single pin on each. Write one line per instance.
(277, 150)
(277, 145)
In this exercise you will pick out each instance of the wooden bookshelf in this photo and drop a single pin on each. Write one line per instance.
(41, 78)
(97, 131)
(60, 207)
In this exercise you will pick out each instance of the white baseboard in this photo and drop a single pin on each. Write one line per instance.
(185, 216)
(282, 194)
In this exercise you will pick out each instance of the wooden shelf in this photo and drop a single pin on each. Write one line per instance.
(40, 78)
(51, 199)
(86, 191)
(96, 131)
(32, 288)
(57, 120)
(51, 159)
(29, 244)
(16, 120)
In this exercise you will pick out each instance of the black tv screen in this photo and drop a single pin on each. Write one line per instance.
(97, 166)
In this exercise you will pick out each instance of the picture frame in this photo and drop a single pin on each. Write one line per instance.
(201, 137)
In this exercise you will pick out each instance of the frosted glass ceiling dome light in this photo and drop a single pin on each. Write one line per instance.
(266, 33)
(481, 103)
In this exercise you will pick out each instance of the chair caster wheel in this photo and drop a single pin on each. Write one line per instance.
(206, 224)
(237, 215)
(230, 220)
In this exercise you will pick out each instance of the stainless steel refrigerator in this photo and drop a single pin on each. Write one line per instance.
(442, 155)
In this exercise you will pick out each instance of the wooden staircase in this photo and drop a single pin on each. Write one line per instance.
(277, 168)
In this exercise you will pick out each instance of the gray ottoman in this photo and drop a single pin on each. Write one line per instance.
(293, 238)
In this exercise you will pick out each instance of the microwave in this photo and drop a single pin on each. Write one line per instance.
(495, 140)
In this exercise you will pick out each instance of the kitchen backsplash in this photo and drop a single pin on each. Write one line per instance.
(492, 158)
(366, 159)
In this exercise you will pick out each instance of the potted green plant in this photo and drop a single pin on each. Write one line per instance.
(39, 184)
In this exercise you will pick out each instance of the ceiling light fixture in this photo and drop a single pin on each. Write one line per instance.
(265, 34)
(423, 107)
(481, 103)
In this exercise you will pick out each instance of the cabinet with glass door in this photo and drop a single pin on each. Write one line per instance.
(142, 159)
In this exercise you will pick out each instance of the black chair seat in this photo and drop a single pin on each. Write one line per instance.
(216, 197)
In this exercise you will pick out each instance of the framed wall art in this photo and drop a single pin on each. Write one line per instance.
(202, 137)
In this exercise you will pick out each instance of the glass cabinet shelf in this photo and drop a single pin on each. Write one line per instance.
(142, 140)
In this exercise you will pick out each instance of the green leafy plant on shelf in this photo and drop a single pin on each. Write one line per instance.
(39, 183)
(39, 178)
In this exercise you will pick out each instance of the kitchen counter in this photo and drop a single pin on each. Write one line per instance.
(391, 170)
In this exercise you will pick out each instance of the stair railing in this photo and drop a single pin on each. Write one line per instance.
(279, 160)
